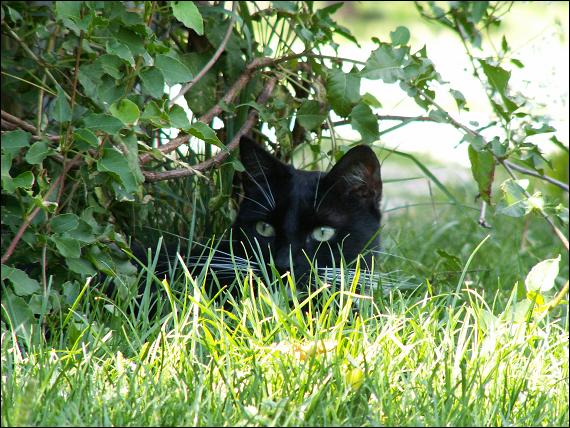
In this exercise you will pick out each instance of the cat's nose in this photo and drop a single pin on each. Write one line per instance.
(282, 263)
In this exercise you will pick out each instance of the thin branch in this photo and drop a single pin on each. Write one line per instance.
(221, 156)
(507, 166)
(212, 61)
(239, 84)
(35, 58)
(525, 171)
(30, 218)
(10, 122)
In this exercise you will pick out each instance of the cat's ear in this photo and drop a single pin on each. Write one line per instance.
(357, 176)
(261, 167)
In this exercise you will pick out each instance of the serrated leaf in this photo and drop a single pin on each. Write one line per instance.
(386, 63)
(343, 91)
(187, 13)
(103, 122)
(365, 122)
(13, 141)
(64, 223)
(542, 276)
(400, 36)
(173, 70)
(483, 170)
(309, 115)
(152, 82)
(22, 283)
(67, 247)
(126, 111)
(37, 153)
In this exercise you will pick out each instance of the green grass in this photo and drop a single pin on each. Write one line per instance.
(465, 348)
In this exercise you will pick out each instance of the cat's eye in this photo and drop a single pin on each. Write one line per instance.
(323, 233)
(264, 229)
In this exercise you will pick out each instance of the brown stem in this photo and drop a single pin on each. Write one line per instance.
(212, 61)
(30, 218)
(239, 84)
(221, 156)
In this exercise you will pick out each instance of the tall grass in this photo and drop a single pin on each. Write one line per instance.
(429, 342)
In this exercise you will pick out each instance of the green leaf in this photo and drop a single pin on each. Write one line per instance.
(69, 12)
(64, 223)
(86, 136)
(80, 266)
(365, 122)
(310, 116)
(19, 312)
(108, 64)
(131, 147)
(173, 70)
(544, 128)
(483, 170)
(67, 247)
(386, 63)
(400, 36)
(343, 91)
(37, 153)
(61, 107)
(371, 100)
(121, 50)
(187, 13)
(115, 163)
(204, 132)
(178, 117)
(103, 122)
(24, 180)
(542, 276)
(514, 202)
(499, 79)
(155, 115)
(22, 283)
(459, 99)
(13, 141)
(126, 111)
(152, 82)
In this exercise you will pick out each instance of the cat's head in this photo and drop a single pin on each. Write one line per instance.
(300, 216)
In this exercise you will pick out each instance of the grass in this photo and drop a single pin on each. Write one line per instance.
(464, 348)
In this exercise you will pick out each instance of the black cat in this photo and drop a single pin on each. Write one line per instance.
(297, 218)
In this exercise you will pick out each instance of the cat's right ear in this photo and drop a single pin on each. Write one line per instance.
(260, 166)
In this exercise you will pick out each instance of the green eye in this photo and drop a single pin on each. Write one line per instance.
(264, 229)
(323, 233)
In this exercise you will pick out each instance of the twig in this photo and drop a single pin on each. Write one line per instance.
(212, 61)
(482, 219)
(35, 58)
(10, 122)
(525, 171)
(30, 218)
(239, 84)
(221, 156)
(507, 167)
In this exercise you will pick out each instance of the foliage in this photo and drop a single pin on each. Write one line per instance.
(86, 89)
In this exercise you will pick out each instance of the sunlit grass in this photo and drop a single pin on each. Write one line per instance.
(438, 334)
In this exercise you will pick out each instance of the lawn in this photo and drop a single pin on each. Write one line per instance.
(451, 341)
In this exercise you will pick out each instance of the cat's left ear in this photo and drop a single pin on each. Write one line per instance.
(357, 175)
